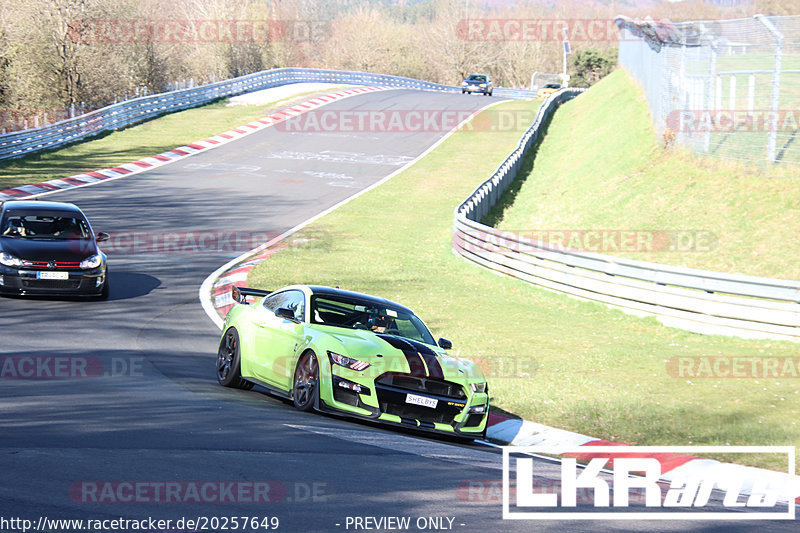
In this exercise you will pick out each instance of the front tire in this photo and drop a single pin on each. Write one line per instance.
(229, 372)
(306, 382)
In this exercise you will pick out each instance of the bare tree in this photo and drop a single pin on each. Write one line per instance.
(453, 55)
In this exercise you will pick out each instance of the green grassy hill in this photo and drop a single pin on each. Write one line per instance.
(601, 166)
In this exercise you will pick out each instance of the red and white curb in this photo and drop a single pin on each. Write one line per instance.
(181, 152)
(237, 275)
(517, 432)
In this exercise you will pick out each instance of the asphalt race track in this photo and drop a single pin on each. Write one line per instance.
(80, 447)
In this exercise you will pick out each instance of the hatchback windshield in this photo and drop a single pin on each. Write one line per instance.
(477, 77)
(353, 313)
(44, 227)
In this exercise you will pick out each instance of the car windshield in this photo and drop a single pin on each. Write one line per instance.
(353, 313)
(552, 86)
(477, 77)
(44, 227)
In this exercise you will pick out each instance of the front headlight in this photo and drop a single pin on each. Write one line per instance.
(463, 84)
(10, 260)
(347, 362)
(91, 262)
(479, 387)
(483, 85)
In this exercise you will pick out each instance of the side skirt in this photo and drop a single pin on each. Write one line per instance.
(270, 388)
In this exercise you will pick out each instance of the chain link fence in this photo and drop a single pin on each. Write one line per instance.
(727, 88)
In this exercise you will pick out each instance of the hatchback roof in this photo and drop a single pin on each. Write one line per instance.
(36, 205)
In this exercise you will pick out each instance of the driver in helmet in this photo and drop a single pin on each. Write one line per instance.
(380, 323)
(15, 228)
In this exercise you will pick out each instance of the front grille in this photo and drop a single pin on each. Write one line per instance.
(62, 265)
(437, 387)
(51, 283)
(392, 390)
(417, 412)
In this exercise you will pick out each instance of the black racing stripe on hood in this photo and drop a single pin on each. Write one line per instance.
(418, 352)
(429, 356)
(416, 365)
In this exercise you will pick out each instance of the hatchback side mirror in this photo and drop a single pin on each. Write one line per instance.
(445, 344)
(102, 236)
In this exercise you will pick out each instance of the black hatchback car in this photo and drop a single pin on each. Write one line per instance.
(49, 248)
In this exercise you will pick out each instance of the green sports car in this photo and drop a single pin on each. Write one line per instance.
(351, 354)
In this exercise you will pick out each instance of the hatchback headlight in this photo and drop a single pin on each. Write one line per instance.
(479, 387)
(348, 362)
(10, 260)
(91, 262)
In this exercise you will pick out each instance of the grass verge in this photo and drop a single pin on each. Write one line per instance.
(549, 358)
(601, 167)
(143, 140)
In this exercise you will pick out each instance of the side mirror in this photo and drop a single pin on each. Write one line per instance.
(284, 312)
(102, 236)
(445, 344)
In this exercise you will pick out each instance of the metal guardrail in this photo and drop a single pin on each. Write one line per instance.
(122, 114)
(696, 300)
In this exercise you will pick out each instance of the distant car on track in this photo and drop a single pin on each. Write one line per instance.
(477, 83)
(352, 354)
(49, 248)
(548, 89)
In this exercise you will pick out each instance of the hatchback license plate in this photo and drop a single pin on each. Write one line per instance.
(52, 275)
(422, 400)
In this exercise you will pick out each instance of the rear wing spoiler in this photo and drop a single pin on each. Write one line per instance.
(240, 294)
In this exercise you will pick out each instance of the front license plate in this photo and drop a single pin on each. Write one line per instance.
(52, 275)
(421, 400)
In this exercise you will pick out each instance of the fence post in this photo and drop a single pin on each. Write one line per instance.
(776, 86)
(712, 93)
